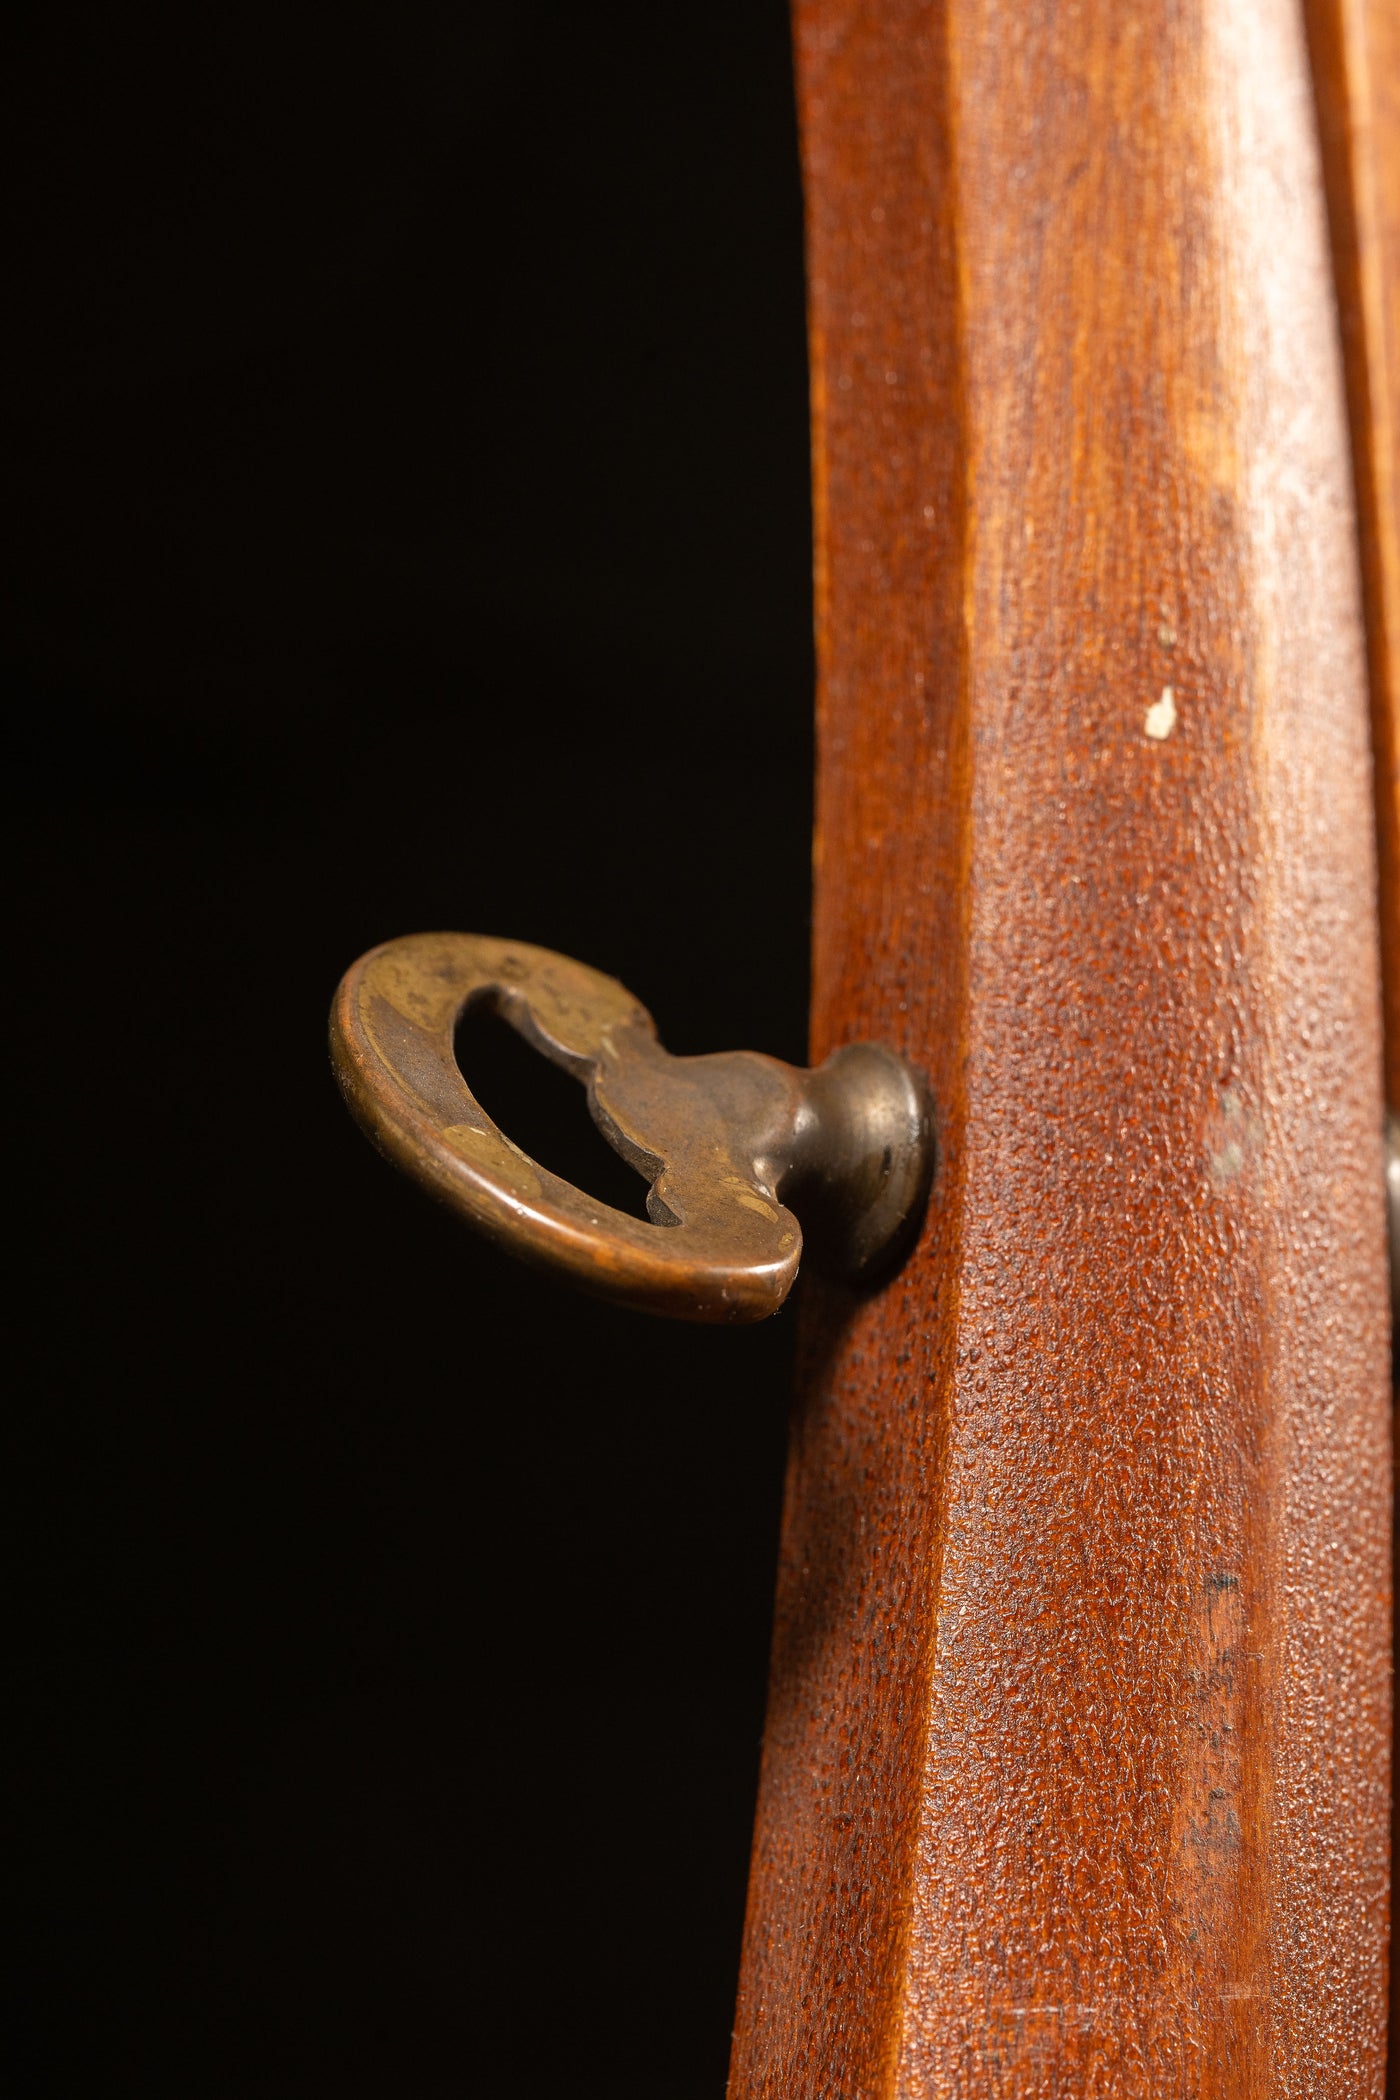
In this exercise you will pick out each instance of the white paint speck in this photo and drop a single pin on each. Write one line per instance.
(1160, 719)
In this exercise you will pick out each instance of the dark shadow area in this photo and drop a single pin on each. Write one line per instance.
(405, 524)
(542, 1109)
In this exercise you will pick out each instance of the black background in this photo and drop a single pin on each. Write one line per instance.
(405, 524)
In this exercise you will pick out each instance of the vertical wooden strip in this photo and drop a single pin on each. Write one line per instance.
(826, 1963)
(1355, 51)
(1077, 1762)
(1355, 46)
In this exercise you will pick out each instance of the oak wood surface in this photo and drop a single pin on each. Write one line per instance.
(1076, 1770)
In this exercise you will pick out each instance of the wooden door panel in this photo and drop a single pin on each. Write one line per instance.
(1076, 1770)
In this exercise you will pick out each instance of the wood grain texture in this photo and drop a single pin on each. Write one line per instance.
(1355, 49)
(1076, 1772)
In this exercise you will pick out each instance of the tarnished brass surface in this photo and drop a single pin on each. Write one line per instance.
(726, 1142)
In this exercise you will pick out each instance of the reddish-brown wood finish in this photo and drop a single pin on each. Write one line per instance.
(1355, 48)
(1076, 1771)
